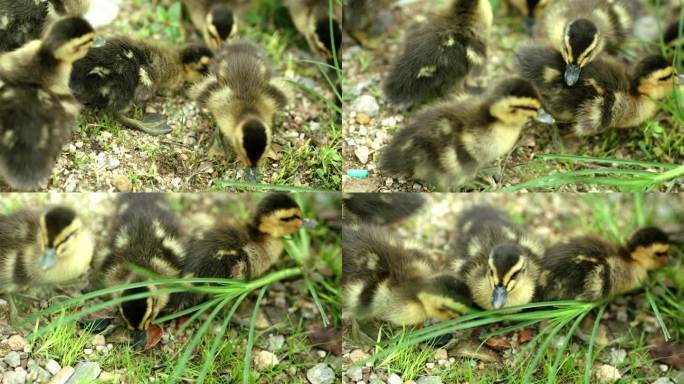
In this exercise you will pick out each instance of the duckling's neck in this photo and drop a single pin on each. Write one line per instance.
(625, 273)
(263, 250)
(164, 66)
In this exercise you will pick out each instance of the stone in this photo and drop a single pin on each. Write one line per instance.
(122, 183)
(394, 379)
(265, 360)
(52, 366)
(362, 119)
(62, 376)
(88, 351)
(106, 376)
(440, 354)
(355, 373)
(17, 343)
(362, 153)
(113, 163)
(320, 374)
(12, 359)
(275, 342)
(14, 377)
(663, 380)
(98, 340)
(607, 374)
(85, 372)
(357, 355)
(366, 104)
(38, 374)
(617, 356)
(429, 380)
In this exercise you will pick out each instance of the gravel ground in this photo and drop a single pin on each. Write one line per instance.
(369, 121)
(292, 344)
(549, 218)
(104, 157)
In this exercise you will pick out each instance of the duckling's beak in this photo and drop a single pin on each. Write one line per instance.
(499, 297)
(528, 25)
(572, 74)
(544, 117)
(99, 41)
(252, 174)
(138, 338)
(679, 79)
(309, 223)
(48, 259)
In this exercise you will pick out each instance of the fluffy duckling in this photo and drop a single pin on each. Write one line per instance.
(145, 233)
(607, 96)
(382, 279)
(214, 18)
(383, 208)
(123, 71)
(498, 261)
(244, 98)
(582, 29)
(245, 251)
(37, 109)
(447, 142)
(590, 268)
(312, 20)
(530, 9)
(45, 247)
(440, 52)
(25, 20)
(672, 38)
(359, 16)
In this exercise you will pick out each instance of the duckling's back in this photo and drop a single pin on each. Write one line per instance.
(244, 68)
(18, 237)
(383, 208)
(219, 252)
(21, 21)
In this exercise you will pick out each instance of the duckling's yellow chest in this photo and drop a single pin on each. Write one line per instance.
(263, 255)
(631, 112)
(493, 143)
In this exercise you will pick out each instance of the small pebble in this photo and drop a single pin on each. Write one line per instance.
(265, 360)
(122, 183)
(52, 366)
(362, 119)
(275, 342)
(17, 343)
(357, 355)
(98, 340)
(355, 373)
(366, 104)
(394, 379)
(88, 351)
(12, 359)
(429, 380)
(362, 154)
(607, 374)
(440, 354)
(62, 376)
(320, 374)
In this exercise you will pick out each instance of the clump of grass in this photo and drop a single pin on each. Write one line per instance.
(64, 344)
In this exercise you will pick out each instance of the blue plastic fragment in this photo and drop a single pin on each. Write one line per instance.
(357, 173)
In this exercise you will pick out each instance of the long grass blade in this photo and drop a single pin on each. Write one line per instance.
(656, 311)
(250, 338)
(590, 357)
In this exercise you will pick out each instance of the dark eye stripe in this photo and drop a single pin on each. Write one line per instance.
(290, 218)
(66, 238)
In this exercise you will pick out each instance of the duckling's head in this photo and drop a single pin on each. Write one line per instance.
(671, 36)
(508, 264)
(196, 59)
(140, 313)
(582, 42)
(278, 215)
(655, 77)
(68, 39)
(328, 36)
(220, 25)
(649, 247)
(253, 142)
(62, 235)
(514, 101)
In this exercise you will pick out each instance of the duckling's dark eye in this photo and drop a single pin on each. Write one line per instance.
(516, 274)
(665, 78)
(661, 254)
(290, 218)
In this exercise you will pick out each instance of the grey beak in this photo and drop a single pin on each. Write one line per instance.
(499, 297)
(99, 41)
(544, 117)
(48, 259)
(529, 25)
(252, 174)
(572, 74)
(680, 79)
(309, 223)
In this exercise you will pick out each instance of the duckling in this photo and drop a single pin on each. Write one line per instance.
(440, 52)
(145, 233)
(530, 9)
(25, 20)
(590, 268)
(382, 279)
(359, 16)
(499, 262)
(247, 250)
(37, 109)
(447, 142)
(582, 29)
(41, 248)
(607, 96)
(124, 70)
(244, 98)
(383, 208)
(214, 18)
(312, 20)
(672, 38)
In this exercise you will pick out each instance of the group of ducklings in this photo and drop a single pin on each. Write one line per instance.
(51, 65)
(51, 246)
(566, 74)
(493, 263)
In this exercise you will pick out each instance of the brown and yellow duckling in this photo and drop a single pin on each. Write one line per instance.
(529, 9)
(499, 262)
(440, 52)
(145, 233)
(37, 109)
(590, 268)
(582, 29)
(215, 19)
(42, 248)
(383, 279)
(448, 142)
(244, 98)
(124, 71)
(312, 20)
(359, 16)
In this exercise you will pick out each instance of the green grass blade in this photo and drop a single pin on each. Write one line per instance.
(559, 354)
(656, 311)
(250, 338)
(590, 356)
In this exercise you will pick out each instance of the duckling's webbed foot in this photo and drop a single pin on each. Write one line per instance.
(152, 124)
(360, 331)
